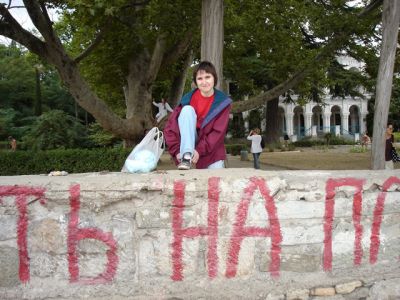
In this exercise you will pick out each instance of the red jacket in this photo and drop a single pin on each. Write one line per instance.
(211, 135)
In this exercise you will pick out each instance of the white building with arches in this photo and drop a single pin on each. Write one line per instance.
(339, 116)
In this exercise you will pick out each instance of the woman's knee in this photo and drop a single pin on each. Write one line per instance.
(187, 109)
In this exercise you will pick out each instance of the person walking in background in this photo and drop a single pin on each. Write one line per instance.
(255, 138)
(388, 148)
(163, 109)
(365, 140)
(196, 129)
(13, 143)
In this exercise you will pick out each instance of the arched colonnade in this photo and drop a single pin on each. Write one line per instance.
(345, 117)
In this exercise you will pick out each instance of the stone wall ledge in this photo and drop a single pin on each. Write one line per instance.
(209, 234)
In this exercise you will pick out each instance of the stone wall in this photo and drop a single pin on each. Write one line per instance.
(221, 234)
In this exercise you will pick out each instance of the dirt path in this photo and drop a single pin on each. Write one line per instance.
(337, 158)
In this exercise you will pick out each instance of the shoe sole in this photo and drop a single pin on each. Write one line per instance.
(183, 168)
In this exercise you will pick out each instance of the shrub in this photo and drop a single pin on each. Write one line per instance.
(100, 137)
(234, 149)
(308, 143)
(328, 137)
(396, 136)
(71, 160)
(333, 140)
(358, 149)
(55, 129)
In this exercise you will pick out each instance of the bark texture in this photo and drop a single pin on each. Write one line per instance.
(272, 125)
(390, 24)
(212, 35)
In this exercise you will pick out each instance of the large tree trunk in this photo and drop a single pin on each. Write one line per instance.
(178, 83)
(212, 35)
(272, 125)
(138, 93)
(390, 24)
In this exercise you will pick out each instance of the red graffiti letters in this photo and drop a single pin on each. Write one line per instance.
(376, 225)
(76, 234)
(240, 231)
(179, 232)
(22, 193)
(331, 185)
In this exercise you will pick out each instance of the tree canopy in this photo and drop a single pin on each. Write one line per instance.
(114, 57)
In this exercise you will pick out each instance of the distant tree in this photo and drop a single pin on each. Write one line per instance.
(17, 79)
(8, 118)
(120, 48)
(55, 129)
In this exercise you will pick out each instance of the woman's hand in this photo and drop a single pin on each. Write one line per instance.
(195, 157)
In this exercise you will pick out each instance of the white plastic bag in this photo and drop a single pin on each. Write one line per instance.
(144, 157)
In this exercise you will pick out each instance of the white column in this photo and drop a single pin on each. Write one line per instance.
(307, 125)
(314, 130)
(345, 123)
(363, 124)
(327, 122)
(289, 124)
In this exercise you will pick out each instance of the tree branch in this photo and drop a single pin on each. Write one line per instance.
(156, 58)
(10, 28)
(136, 4)
(90, 48)
(178, 49)
(370, 7)
(327, 51)
(38, 14)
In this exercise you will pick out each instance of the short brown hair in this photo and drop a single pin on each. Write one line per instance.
(208, 67)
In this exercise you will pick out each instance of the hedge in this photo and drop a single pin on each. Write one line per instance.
(70, 160)
(307, 142)
(234, 149)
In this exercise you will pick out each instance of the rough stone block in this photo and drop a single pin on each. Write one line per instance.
(47, 237)
(43, 265)
(303, 294)
(9, 266)
(153, 218)
(300, 210)
(297, 233)
(92, 265)
(348, 287)
(323, 291)
(275, 296)
(8, 225)
(359, 293)
(385, 290)
(147, 258)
